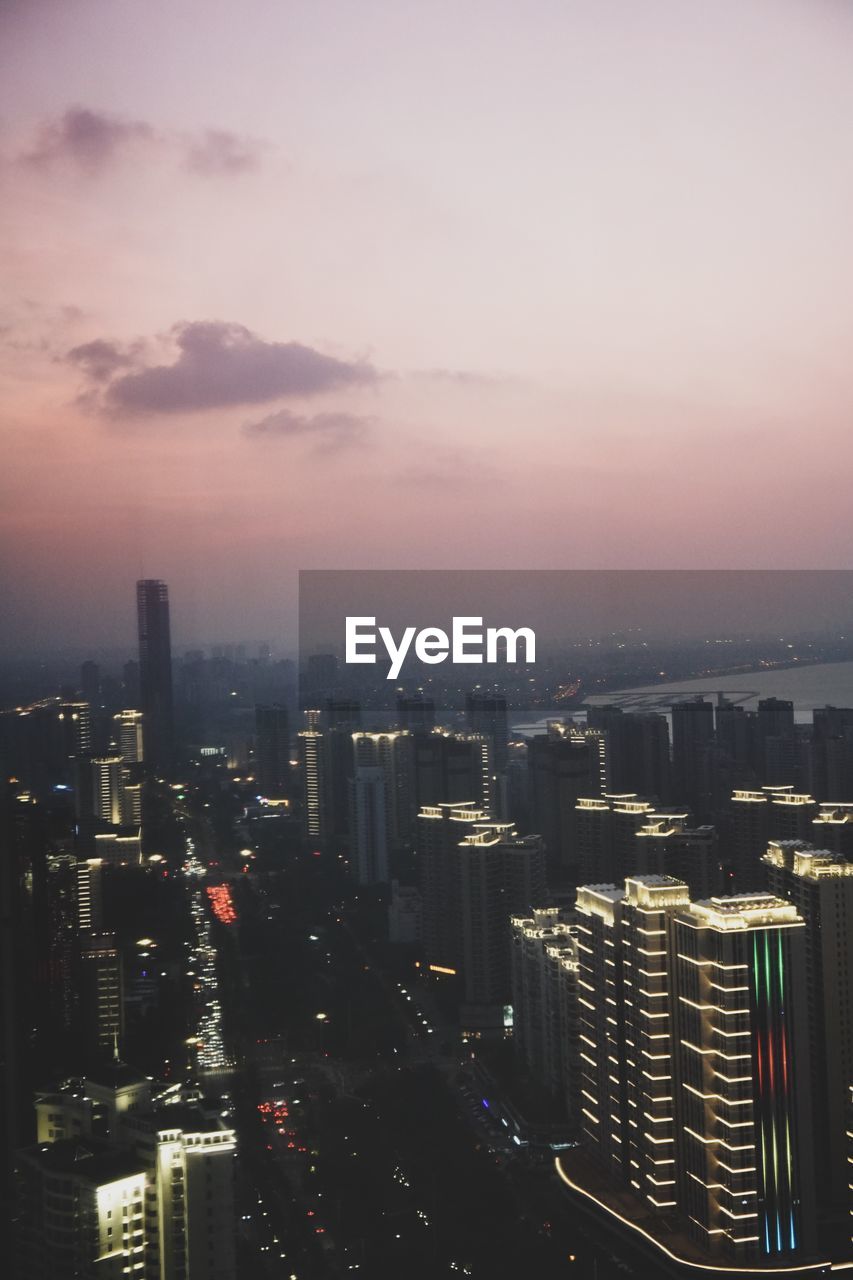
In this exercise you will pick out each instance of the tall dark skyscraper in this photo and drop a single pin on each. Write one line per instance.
(272, 749)
(155, 669)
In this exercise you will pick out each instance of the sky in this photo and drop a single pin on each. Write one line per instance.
(349, 285)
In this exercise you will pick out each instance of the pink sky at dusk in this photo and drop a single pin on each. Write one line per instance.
(300, 285)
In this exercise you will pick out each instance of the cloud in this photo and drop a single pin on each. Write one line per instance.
(27, 325)
(218, 366)
(218, 151)
(329, 432)
(90, 139)
(93, 141)
(100, 359)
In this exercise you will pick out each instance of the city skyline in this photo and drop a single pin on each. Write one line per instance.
(426, 679)
(288, 289)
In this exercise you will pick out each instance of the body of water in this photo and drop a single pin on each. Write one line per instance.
(829, 683)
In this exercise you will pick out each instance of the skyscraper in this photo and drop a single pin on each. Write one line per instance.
(155, 670)
(487, 715)
(820, 885)
(145, 1174)
(667, 846)
(742, 1072)
(272, 749)
(441, 829)
(475, 874)
(565, 765)
(694, 1057)
(606, 836)
(416, 713)
(393, 753)
(313, 773)
(499, 874)
(127, 730)
(628, 1098)
(369, 857)
(454, 768)
(102, 1190)
(101, 995)
(692, 740)
(544, 969)
(637, 750)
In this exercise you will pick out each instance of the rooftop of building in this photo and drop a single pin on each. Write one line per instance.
(188, 1117)
(116, 1075)
(742, 911)
(807, 862)
(90, 1158)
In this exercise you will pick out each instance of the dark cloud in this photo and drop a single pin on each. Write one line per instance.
(220, 152)
(91, 139)
(329, 432)
(218, 366)
(100, 360)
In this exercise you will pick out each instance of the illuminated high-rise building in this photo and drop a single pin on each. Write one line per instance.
(601, 1034)
(745, 1162)
(694, 1049)
(605, 837)
(650, 1133)
(475, 874)
(544, 971)
(667, 845)
(625, 1029)
(89, 895)
(832, 829)
(81, 1211)
(108, 789)
(127, 729)
(147, 1174)
(759, 816)
(820, 885)
(155, 670)
(393, 754)
(313, 772)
